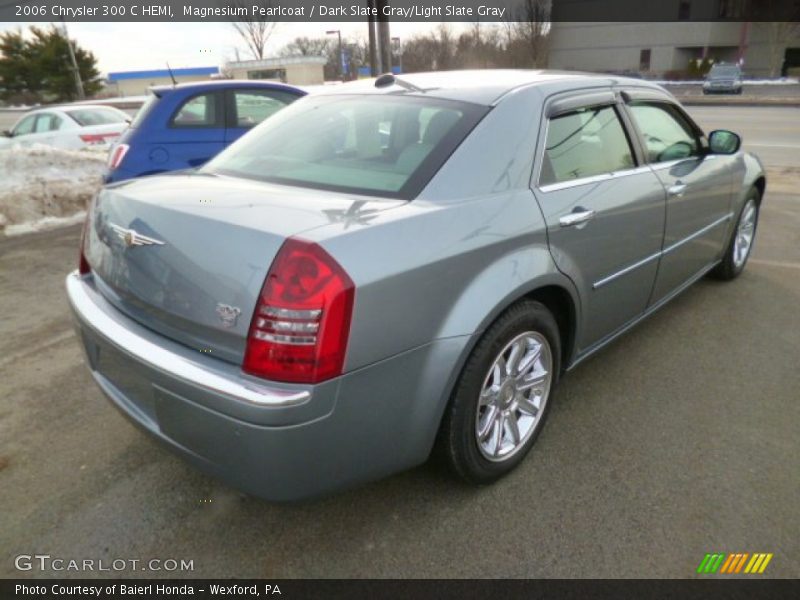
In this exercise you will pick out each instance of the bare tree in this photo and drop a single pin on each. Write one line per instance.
(532, 28)
(305, 46)
(253, 29)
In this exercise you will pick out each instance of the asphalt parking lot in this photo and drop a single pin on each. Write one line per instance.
(679, 439)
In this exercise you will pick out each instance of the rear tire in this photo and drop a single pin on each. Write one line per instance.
(741, 242)
(502, 398)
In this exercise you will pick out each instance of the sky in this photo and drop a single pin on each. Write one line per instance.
(144, 46)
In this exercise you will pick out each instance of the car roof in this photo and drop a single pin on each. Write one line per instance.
(484, 86)
(225, 83)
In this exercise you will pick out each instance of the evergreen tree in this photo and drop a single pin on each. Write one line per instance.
(37, 67)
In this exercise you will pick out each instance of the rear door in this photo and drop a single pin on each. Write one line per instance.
(604, 210)
(247, 107)
(698, 187)
(196, 132)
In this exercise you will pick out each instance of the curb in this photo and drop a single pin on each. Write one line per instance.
(736, 101)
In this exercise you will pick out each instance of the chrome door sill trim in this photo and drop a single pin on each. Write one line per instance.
(92, 316)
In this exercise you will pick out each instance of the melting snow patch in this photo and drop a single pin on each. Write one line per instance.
(43, 187)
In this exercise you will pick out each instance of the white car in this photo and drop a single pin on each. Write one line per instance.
(70, 127)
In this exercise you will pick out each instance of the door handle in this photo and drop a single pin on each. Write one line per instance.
(676, 190)
(576, 217)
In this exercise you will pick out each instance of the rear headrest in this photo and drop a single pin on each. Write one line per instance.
(438, 126)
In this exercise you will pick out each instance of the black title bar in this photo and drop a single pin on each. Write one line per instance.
(397, 10)
(327, 589)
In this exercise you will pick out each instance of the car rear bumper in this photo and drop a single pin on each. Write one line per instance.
(277, 441)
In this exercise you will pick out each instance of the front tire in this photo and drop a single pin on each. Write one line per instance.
(742, 238)
(502, 398)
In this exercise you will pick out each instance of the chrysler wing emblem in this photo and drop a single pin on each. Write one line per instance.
(131, 238)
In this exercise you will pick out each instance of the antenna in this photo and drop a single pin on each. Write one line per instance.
(171, 76)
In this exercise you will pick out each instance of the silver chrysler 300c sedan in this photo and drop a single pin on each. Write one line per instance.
(401, 265)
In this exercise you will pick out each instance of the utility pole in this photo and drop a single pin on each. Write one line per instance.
(75, 71)
(373, 50)
(384, 38)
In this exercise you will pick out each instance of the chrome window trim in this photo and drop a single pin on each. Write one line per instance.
(562, 185)
(663, 252)
(172, 364)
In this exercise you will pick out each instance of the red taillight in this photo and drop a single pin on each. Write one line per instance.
(83, 264)
(117, 154)
(301, 323)
(98, 138)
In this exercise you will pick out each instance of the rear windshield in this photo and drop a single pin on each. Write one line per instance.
(97, 116)
(148, 105)
(377, 145)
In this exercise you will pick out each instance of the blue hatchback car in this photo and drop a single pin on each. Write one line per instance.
(183, 126)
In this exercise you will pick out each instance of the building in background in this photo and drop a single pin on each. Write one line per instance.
(667, 49)
(136, 83)
(295, 70)
(691, 32)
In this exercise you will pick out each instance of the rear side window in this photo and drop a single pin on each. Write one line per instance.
(667, 135)
(377, 145)
(197, 111)
(97, 116)
(584, 143)
(25, 126)
(253, 106)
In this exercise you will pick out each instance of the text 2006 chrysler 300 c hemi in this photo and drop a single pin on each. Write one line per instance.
(400, 265)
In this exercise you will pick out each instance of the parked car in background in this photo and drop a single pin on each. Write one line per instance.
(70, 127)
(182, 126)
(723, 79)
(380, 268)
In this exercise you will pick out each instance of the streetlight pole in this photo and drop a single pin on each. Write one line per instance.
(399, 49)
(341, 54)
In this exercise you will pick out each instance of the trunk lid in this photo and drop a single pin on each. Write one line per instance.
(186, 255)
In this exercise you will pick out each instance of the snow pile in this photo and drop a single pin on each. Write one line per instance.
(43, 187)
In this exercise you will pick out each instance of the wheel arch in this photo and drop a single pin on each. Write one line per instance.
(761, 185)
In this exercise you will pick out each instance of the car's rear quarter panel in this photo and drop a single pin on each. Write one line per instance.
(441, 267)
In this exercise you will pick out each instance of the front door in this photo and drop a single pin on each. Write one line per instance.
(698, 190)
(196, 133)
(604, 213)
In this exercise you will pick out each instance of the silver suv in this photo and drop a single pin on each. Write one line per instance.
(723, 79)
(399, 265)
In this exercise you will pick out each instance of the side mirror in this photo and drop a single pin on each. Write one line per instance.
(7, 133)
(722, 141)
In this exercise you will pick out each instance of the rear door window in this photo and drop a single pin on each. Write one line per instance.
(198, 111)
(47, 122)
(583, 143)
(253, 106)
